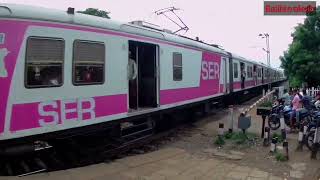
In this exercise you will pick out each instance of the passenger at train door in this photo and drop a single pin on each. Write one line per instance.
(243, 78)
(132, 68)
(132, 71)
(255, 78)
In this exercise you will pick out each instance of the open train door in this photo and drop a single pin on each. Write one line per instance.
(143, 75)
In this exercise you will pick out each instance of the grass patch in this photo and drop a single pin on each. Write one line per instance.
(239, 137)
(219, 141)
(276, 135)
(228, 135)
(280, 157)
(236, 138)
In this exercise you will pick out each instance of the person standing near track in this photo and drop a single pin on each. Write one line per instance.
(296, 104)
(306, 105)
(286, 98)
(306, 100)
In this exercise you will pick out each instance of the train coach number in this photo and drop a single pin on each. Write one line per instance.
(210, 70)
(58, 112)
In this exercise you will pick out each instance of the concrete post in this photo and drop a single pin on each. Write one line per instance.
(286, 149)
(273, 146)
(284, 134)
(315, 146)
(266, 140)
(231, 119)
(300, 138)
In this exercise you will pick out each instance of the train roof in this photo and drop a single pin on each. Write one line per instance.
(53, 15)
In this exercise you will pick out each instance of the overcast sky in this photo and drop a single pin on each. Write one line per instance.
(233, 24)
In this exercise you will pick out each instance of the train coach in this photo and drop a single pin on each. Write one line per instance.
(64, 74)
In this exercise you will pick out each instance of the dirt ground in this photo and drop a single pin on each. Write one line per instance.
(200, 138)
(190, 153)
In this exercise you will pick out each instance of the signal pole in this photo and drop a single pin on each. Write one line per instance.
(266, 36)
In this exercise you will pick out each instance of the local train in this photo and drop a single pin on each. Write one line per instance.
(64, 73)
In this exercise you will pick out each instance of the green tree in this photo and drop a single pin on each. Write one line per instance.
(96, 12)
(301, 62)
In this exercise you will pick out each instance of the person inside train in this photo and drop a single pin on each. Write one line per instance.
(87, 75)
(243, 76)
(132, 73)
(255, 76)
(132, 68)
(50, 76)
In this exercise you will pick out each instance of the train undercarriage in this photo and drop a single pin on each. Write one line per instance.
(98, 143)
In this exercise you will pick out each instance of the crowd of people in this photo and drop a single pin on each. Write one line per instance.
(300, 102)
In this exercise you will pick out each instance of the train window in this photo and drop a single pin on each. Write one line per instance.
(88, 62)
(266, 74)
(177, 66)
(249, 71)
(44, 62)
(235, 70)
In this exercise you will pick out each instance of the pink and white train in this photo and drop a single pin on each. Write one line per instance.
(64, 72)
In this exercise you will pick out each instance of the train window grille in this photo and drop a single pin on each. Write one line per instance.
(88, 63)
(235, 70)
(177, 66)
(44, 62)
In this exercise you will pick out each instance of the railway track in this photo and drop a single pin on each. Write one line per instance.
(86, 150)
(81, 151)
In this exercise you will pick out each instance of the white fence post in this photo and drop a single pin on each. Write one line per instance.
(313, 91)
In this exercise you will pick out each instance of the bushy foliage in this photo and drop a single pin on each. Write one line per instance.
(96, 12)
(219, 141)
(302, 60)
(266, 104)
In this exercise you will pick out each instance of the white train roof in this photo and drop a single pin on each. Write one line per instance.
(46, 14)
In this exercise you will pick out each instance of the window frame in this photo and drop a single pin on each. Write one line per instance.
(26, 63)
(177, 66)
(74, 63)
